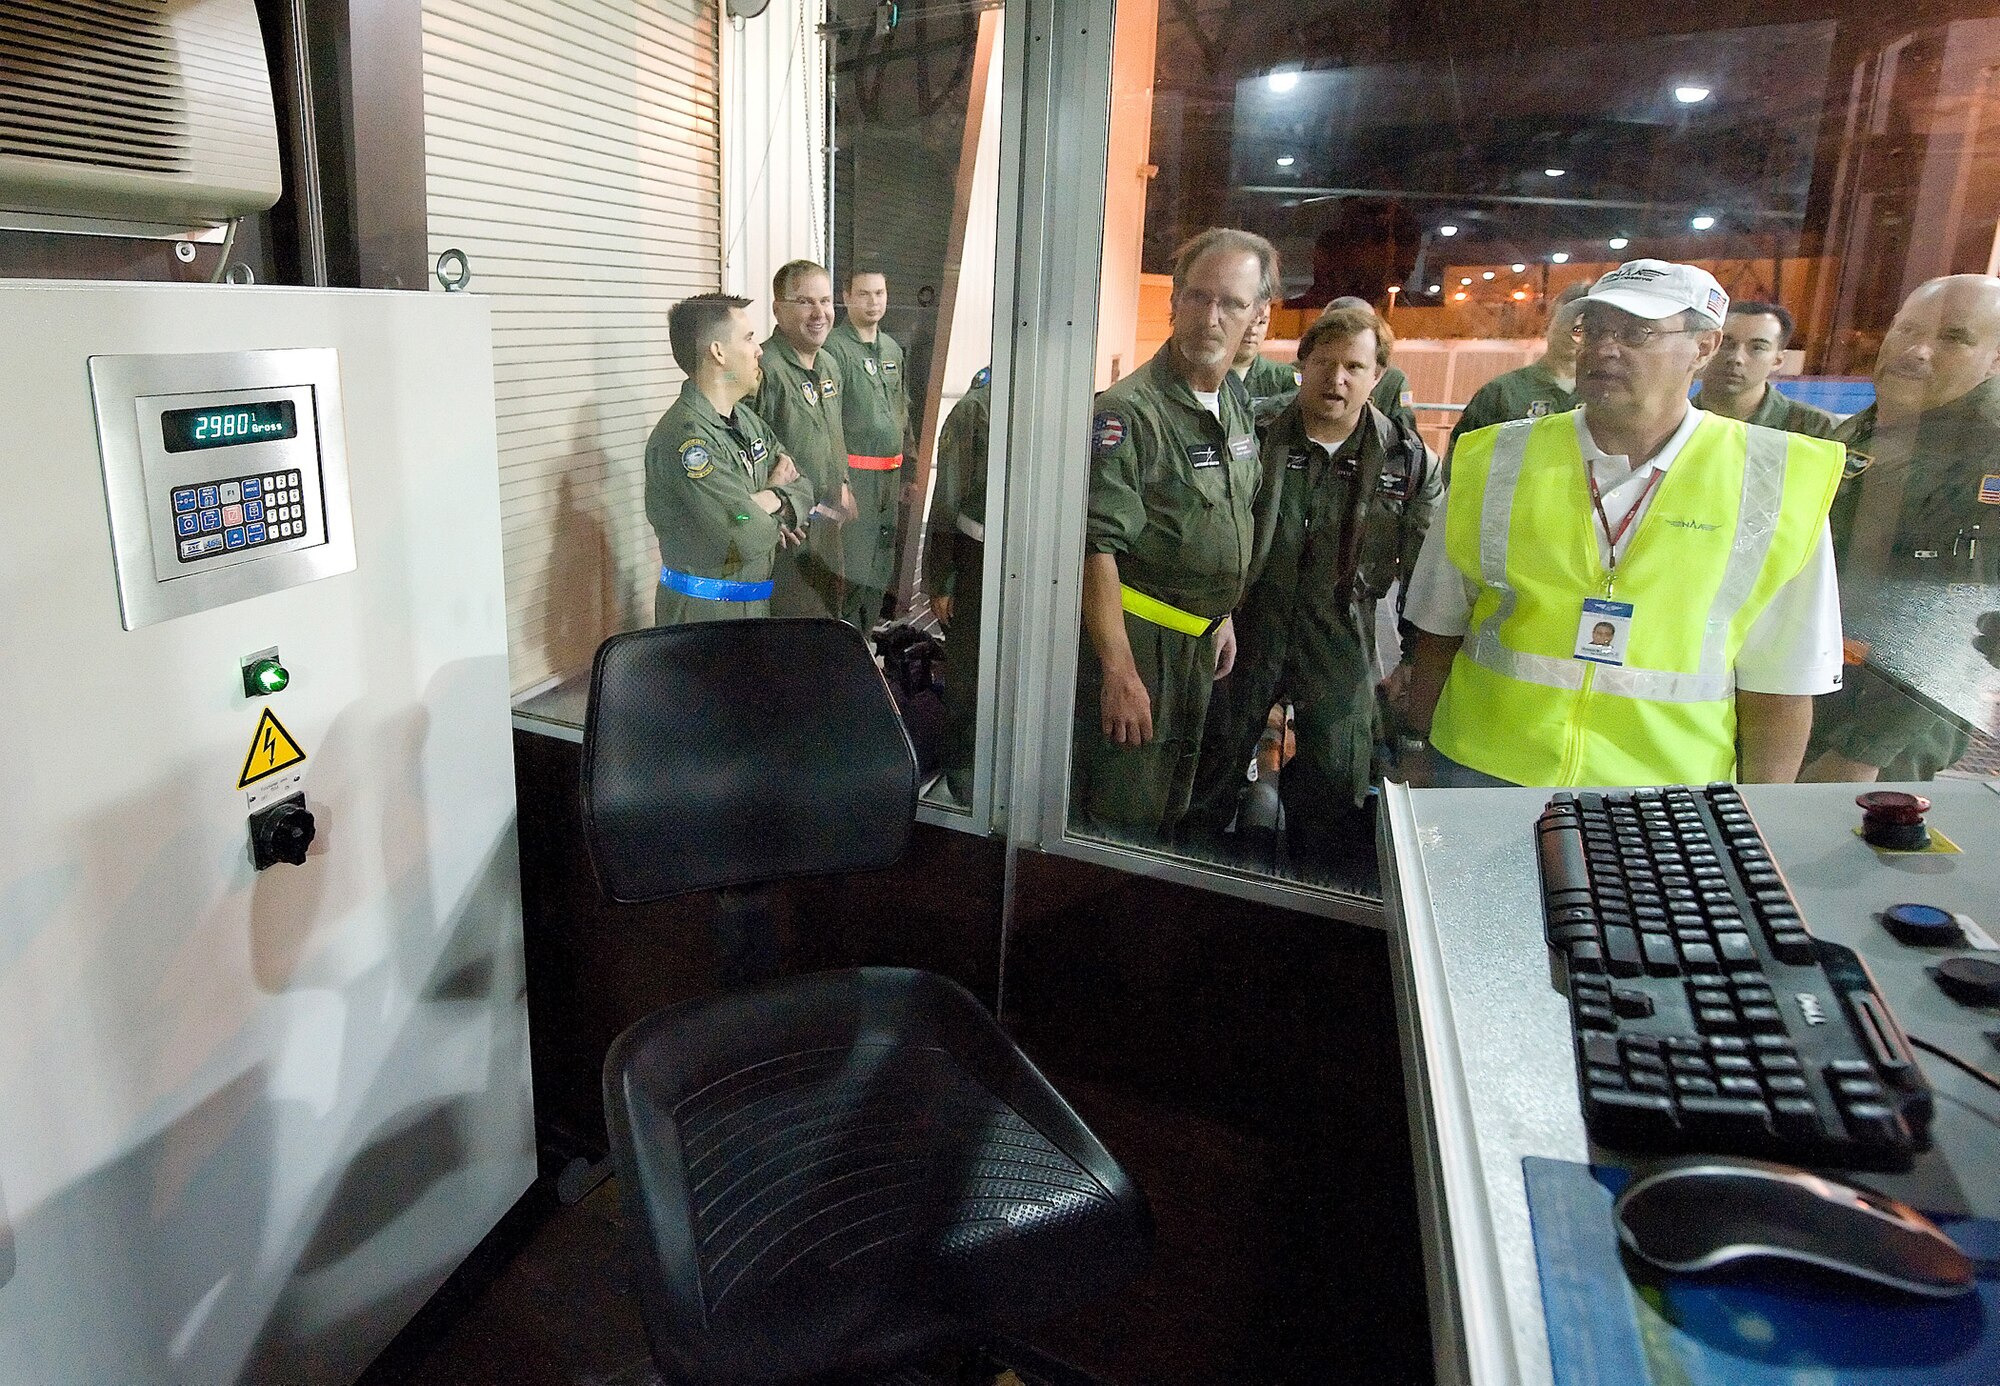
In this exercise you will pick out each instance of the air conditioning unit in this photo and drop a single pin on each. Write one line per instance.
(137, 112)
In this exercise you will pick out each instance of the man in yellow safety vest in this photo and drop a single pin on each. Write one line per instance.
(1700, 540)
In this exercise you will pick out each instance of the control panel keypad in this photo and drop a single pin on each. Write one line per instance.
(241, 513)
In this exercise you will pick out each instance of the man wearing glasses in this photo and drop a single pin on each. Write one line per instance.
(1701, 540)
(800, 398)
(1174, 471)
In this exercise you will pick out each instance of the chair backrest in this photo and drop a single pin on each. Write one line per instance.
(733, 753)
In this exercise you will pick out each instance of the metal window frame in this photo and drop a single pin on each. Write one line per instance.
(1055, 138)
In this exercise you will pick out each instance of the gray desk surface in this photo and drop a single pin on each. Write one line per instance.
(1487, 1038)
(556, 710)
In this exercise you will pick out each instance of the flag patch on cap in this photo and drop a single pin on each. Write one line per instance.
(1716, 301)
(1989, 489)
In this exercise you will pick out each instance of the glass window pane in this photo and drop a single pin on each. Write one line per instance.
(1627, 244)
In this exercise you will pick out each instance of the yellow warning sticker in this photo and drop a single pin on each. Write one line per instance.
(272, 749)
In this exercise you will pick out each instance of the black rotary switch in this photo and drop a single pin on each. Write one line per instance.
(281, 832)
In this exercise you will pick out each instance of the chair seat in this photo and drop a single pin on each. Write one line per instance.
(849, 1168)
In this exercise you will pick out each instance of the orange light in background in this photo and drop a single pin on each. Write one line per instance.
(1520, 295)
(1459, 296)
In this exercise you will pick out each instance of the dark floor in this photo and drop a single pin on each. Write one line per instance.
(1239, 1059)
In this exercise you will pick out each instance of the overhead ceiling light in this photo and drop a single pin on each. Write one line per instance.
(1702, 222)
(1285, 161)
(1447, 230)
(1554, 172)
(1459, 296)
(1618, 242)
(1561, 257)
(1487, 275)
(1283, 80)
(1437, 288)
(1520, 294)
(1466, 280)
(1691, 95)
(1518, 268)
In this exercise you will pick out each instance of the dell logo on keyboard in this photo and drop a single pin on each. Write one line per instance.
(1809, 1007)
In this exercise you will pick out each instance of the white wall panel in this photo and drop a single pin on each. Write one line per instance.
(573, 152)
(774, 139)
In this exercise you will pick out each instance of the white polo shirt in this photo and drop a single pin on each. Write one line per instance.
(1794, 647)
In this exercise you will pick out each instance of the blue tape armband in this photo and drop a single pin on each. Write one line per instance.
(715, 589)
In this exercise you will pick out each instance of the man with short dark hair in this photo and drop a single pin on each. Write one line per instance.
(800, 398)
(875, 417)
(1392, 392)
(1921, 504)
(1173, 479)
(1547, 386)
(1270, 384)
(1346, 499)
(1737, 383)
(722, 495)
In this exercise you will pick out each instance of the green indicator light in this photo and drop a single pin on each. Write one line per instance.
(267, 676)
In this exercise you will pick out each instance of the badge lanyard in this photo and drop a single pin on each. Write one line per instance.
(1612, 537)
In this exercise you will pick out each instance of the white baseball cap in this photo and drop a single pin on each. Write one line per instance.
(1655, 289)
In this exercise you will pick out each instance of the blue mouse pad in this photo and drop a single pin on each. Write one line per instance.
(1769, 1325)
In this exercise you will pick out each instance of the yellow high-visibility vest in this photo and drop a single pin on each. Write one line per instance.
(1736, 516)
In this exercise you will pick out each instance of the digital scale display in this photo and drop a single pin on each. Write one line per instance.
(224, 426)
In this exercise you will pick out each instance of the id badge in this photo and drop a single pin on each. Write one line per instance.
(1602, 630)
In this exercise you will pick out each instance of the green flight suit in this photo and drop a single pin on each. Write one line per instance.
(1787, 415)
(1171, 494)
(1527, 393)
(955, 567)
(702, 471)
(803, 408)
(1270, 384)
(1335, 532)
(1392, 396)
(1909, 503)
(875, 415)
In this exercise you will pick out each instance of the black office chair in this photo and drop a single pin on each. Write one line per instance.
(841, 1171)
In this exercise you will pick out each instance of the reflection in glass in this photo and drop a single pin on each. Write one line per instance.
(915, 214)
(1820, 173)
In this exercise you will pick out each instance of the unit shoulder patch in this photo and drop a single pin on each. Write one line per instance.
(868, 364)
(810, 391)
(828, 387)
(1989, 489)
(695, 459)
(982, 377)
(1107, 432)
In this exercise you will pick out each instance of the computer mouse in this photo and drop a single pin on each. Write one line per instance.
(1701, 1213)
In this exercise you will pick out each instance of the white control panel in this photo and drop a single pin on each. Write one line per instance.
(225, 476)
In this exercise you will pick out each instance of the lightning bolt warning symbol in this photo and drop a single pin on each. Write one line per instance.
(272, 749)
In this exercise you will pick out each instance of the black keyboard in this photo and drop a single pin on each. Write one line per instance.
(1706, 1016)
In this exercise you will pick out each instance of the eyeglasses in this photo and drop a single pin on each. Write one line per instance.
(1201, 301)
(1631, 336)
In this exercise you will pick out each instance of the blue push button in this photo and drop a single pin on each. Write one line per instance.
(252, 488)
(211, 520)
(254, 533)
(253, 510)
(210, 495)
(1922, 925)
(184, 501)
(184, 525)
(233, 538)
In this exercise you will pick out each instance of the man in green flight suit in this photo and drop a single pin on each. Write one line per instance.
(1920, 501)
(955, 567)
(1270, 384)
(1392, 392)
(800, 399)
(1173, 477)
(1347, 498)
(1737, 383)
(722, 495)
(875, 416)
(1547, 386)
